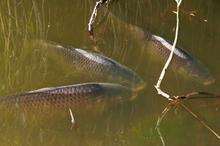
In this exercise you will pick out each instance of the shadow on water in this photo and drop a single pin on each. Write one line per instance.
(24, 68)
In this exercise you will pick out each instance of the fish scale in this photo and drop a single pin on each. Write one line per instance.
(164, 53)
(181, 61)
(73, 95)
(94, 64)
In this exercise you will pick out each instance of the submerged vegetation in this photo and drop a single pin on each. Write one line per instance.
(20, 21)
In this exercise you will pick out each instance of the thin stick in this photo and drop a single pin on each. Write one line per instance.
(72, 117)
(162, 74)
(159, 120)
(94, 15)
(201, 121)
(197, 95)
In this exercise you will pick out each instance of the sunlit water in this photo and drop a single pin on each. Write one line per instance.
(24, 68)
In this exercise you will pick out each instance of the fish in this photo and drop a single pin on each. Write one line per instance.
(69, 96)
(182, 62)
(95, 65)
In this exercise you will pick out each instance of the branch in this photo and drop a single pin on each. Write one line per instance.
(94, 15)
(198, 94)
(162, 74)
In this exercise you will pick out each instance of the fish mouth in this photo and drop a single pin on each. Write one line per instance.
(209, 81)
(138, 87)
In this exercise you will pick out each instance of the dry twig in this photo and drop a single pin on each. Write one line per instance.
(94, 15)
(163, 72)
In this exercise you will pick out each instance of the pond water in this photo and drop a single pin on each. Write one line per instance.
(129, 123)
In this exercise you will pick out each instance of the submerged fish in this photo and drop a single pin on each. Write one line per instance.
(94, 64)
(160, 48)
(69, 96)
(181, 61)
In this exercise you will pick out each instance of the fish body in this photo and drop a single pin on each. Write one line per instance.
(97, 65)
(182, 60)
(69, 96)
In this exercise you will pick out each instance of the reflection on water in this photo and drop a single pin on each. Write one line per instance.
(25, 68)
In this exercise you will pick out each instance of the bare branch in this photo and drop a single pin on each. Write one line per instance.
(157, 86)
(198, 94)
(72, 117)
(94, 15)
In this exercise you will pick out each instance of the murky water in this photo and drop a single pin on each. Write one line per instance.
(132, 122)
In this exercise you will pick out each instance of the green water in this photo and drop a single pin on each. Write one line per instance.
(130, 123)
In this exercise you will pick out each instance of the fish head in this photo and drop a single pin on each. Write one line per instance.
(200, 73)
(138, 85)
(116, 92)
